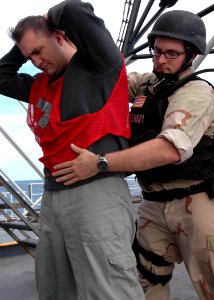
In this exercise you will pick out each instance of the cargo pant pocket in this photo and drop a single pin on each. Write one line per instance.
(125, 260)
(125, 264)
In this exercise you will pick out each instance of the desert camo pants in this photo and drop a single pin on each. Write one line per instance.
(180, 230)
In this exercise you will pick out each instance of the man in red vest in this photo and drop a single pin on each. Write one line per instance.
(81, 96)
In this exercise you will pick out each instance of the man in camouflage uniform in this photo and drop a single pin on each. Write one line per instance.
(172, 119)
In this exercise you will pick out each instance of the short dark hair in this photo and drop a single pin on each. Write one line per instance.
(37, 23)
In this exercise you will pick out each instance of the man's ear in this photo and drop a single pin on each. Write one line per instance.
(60, 37)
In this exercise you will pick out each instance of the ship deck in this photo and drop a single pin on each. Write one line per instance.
(17, 278)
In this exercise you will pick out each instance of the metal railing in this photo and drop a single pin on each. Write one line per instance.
(133, 28)
(32, 194)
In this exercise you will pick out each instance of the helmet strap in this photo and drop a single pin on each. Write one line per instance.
(165, 82)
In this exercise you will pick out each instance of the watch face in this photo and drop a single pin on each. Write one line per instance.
(102, 163)
(103, 166)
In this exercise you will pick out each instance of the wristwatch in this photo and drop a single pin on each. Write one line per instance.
(102, 163)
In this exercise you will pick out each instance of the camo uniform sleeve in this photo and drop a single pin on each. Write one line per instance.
(189, 116)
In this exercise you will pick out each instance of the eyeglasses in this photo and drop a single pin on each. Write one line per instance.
(167, 54)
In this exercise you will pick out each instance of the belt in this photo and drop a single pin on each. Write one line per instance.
(178, 193)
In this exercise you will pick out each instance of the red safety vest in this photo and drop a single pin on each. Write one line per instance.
(55, 136)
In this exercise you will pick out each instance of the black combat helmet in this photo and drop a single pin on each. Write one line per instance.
(182, 25)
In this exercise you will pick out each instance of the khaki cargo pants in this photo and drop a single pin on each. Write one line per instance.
(85, 244)
(180, 230)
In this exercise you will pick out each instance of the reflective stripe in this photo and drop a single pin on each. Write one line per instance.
(46, 108)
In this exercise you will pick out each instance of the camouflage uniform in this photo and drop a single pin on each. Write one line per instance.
(182, 229)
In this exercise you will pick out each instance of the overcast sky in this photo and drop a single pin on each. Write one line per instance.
(12, 114)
